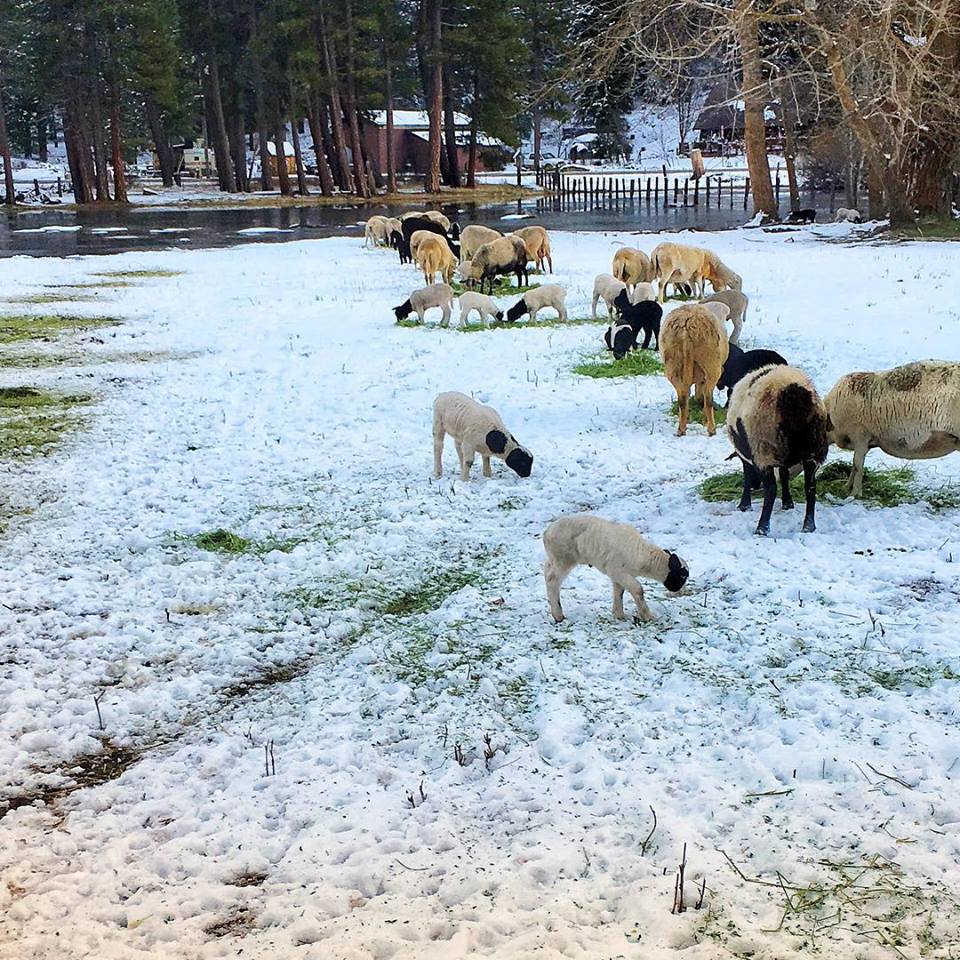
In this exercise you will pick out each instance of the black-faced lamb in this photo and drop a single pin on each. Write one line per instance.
(620, 338)
(644, 315)
(807, 215)
(499, 257)
(741, 362)
(775, 421)
(606, 287)
(436, 295)
(615, 549)
(486, 307)
(475, 428)
(535, 300)
(911, 412)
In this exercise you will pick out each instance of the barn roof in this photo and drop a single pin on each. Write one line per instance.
(413, 119)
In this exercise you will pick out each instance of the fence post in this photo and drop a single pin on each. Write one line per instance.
(656, 192)
(776, 184)
(696, 192)
(686, 187)
(59, 187)
(648, 190)
(746, 192)
(708, 193)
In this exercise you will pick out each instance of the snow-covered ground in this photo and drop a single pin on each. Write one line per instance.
(794, 709)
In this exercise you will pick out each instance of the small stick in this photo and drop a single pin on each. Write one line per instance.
(96, 703)
(889, 776)
(653, 830)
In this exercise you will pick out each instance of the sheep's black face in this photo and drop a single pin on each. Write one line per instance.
(520, 462)
(496, 441)
(403, 311)
(677, 574)
(623, 340)
(498, 316)
(517, 310)
(622, 302)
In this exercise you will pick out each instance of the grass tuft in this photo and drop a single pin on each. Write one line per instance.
(232, 544)
(33, 421)
(411, 324)
(45, 298)
(16, 327)
(138, 274)
(640, 363)
(502, 287)
(695, 412)
(33, 361)
(432, 591)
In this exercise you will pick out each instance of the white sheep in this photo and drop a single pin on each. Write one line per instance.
(535, 300)
(911, 412)
(615, 549)
(436, 295)
(847, 215)
(473, 237)
(606, 288)
(642, 291)
(376, 231)
(737, 304)
(475, 428)
(486, 307)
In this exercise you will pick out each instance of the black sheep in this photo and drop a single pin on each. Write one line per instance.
(412, 224)
(645, 316)
(802, 216)
(741, 362)
(621, 339)
(401, 246)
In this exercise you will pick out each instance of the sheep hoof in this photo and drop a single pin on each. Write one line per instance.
(559, 619)
(639, 621)
(762, 531)
(788, 505)
(808, 526)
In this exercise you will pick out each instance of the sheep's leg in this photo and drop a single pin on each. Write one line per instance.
(438, 438)
(618, 612)
(785, 495)
(593, 306)
(737, 327)
(533, 314)
(553, 576)
(647, 334)
(810, 489)
(563, 312)
(445, 319)
(683, 400)
(485, 460)
(855, 483)
(632, 587)
(708, 389)
(769, 495)
(466, 461)
(749, 481)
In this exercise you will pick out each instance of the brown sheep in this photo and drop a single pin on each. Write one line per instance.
(473, 237)
(537, 242)
(433, 255)
(680, 263)
(632, 267)
(694, 347)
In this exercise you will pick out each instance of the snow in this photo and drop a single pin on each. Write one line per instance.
(749, 716)
(414, 119)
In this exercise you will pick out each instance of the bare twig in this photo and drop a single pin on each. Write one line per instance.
(653, 830)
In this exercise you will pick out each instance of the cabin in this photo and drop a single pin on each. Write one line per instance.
(288, 152)
(192, 157)
(720, 128)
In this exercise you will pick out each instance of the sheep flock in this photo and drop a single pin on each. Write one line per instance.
(777, 423)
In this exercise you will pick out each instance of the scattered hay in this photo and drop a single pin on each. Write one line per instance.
(640, 363)
(16, 327)
(251, 878)
(235, 925)
(502, 287)
(91, 285)
(232, 544)
(695, 412)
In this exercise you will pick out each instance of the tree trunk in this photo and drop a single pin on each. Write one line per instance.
(788, 117)
(331, 108)
(116, 149)
(435, 102)
(350, 106)
(391, 159)
(96, 120)
(216, 124)
(754, 133)
(336, 107)
(319, 148)
(42, 140)
(537, 139)
(874, 195)
(474, 129)
(450, 134)
(280, 143)
(295, 136)
(238, 150)
(79, 153)
(10, 194)
(161, 141)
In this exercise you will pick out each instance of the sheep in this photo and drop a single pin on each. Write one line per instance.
(644, 316)
(679, 263)
(533, 301)
(376, 231)
(642, 291)
(484, 305)
(740, 363)
(501, 256)
(411, 225)
(475, 428)
(435, 295)
(437, 217)
(537, 241)
(632, 267)
(808, 215)
(694, 347)
(620, 338)
(474, 237)
(847, 215)
(433, 256)
(910, 412)
(738, 303)
(615, 549)
(606, 288)
(775, 421)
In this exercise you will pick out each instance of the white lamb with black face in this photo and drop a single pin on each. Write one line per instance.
(475, 428)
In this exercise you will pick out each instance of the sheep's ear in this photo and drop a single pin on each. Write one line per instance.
(496, 441)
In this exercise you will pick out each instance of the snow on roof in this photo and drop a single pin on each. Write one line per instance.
(585, 138)
(287, 148)
(414, 119)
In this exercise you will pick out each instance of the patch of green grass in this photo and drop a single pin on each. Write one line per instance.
(502, 287)
(930, 229)
(889, 487)
(17, 327)
(33, 361)
(232, 544)
(91, 285)
(432, 591)
(504, 325)
(44, 298)
(33, 421)
(920, 676)
(139, 274)
(695, 412)
(640, 363)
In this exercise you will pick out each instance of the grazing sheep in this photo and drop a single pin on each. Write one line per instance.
(433, 256)
(847, 215)
(911, 412)
(394, 227)
(678, 263)
(533, 301)
(737, 302)
(504, 255)
(615, 549)
(484, 305)
(631, 267)
(694, 347)
(376, 232)
(411, 225)
(416, 238)
(741, 362)
(642, 291)
(620, 338)
(606, 288)
(475, 429)
(775, 421)
(808, 215)
(437, 217)
(436, 295)
(473, 237)
(537, 241)
(644, 316)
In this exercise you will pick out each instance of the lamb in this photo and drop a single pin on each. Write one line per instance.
(474, 237)
(437, 217)
(847, 215)
(775, 421)
(615, 549)
(642, 291)
(808, 215)
(740, 363)
(620, 338)
(679, 263)
(537, 241)
(436, 295)
(433, 255)
(694, 347)
(394, 227)
(606, 288)
(631, 267)
(475, 428)
(738, 303)
(376, 231)
(501, 256)
(411, 225)
(484, 305)
(533, 301)
(644, 315)
(911, 412)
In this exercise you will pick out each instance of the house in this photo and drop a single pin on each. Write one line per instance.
(720, 126)
(288, 152)
(411, 142)
(192, 157)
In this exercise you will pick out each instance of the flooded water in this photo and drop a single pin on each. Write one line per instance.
(57, 233)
